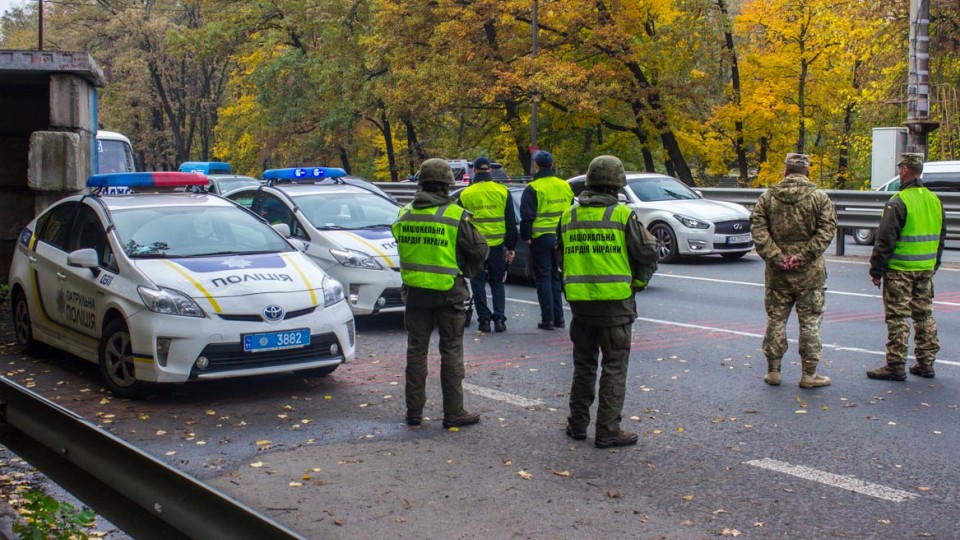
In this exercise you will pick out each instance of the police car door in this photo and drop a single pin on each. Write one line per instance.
(83, 296)
(48, 263)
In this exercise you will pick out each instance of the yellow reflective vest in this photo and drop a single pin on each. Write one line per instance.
(916, 249)
(487, 201)
(596, 265)
(553, 197)
(427, 245)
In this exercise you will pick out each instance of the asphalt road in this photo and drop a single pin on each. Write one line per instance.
(720, 454)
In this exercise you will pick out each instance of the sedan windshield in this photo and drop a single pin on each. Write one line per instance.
(661, 189)
(348, 210)
(194, 231)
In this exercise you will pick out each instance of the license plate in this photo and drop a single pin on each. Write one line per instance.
(274, 341)
(738, 239)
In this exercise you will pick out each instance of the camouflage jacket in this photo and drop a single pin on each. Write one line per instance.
(794, 218)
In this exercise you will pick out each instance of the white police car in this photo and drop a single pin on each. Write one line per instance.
(221, 176)
(167, 287)
(346, 229)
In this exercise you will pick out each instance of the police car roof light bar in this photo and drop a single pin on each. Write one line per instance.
(303, 174)
(166, 179)
(206, 167)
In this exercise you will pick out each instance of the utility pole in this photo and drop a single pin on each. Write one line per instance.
(918, 79)
(533, 93)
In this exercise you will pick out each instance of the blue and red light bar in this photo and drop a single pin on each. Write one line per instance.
(147, 180)
(304, 174)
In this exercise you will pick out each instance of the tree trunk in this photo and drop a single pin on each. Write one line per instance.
(344, 158)
(728, 44)
(843, 161)
(801, 105)
(388, 143)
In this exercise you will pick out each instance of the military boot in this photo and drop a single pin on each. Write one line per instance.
(773, 373)
(923, 370)
(813, 380)
(887, 373)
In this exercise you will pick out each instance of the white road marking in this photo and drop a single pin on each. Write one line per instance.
(751, 284)
(497, 395)
(747, 334)
(836, 480)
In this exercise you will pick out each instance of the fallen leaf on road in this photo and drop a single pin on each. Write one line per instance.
(758, 524)
(567, 473)
(161, 433)
(327, 397)
(295, 484)
(256, 464)
(635, 418)
(170, 453)
(883, 521)
(801, 411)
(613, 494)
(401, 519)
(338, 522)
(686, 522)
(688, 497)
(680, 429)
(453, 429)
(730, 532)
(507, 462)
(524, 474)
(719, 511)
(211, 413)
(924, 489)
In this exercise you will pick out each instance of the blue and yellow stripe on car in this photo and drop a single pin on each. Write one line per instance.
(206, 294)
(303, 276)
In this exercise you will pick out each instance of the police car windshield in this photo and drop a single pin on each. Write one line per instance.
(194, 231)
(660, 189)
(348, 210)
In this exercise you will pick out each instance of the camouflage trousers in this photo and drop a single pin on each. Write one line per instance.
(809, 304)
(909, 295)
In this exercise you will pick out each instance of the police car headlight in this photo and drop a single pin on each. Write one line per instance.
(332, 291)
(355, 259)
(691, 222)
(169, 302)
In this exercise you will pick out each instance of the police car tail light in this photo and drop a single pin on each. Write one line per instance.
(302, 174)
(332, 291)
(146, 180)
(163, 348)
(169, 302)
(355, 259)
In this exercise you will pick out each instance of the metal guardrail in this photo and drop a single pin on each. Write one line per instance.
(855, 209)
(143, 496)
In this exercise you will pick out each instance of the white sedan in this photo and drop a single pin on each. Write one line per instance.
(684, 223)
(345, 229)
(166, 287)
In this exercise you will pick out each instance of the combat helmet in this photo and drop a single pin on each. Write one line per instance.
(606, 171)
(435, 170)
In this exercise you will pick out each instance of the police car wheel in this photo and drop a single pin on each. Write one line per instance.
(667, 249)
(319, 372)
(21, 323)
(864, 237)
(116, 361)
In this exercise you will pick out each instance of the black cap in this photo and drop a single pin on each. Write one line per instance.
(481, 163)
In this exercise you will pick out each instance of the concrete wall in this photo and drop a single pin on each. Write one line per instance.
(46, 140)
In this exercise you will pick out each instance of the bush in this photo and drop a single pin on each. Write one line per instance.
(45, 518)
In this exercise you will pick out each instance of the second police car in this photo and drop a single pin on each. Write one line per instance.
(346, 229)
(167, 287)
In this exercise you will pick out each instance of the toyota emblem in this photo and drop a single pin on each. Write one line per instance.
(272, 313)
(737, 226)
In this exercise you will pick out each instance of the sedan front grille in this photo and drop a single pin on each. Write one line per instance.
(258, 318)
(231, 356)
(737, 226)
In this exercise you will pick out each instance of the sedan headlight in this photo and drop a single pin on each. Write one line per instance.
(169, 302)
(355, 259)
(691, 222)
(332, 291)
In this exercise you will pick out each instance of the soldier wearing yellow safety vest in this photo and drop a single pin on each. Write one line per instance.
(493, 215)
(606, 255)
(439, 250)
(907, 252)
(543, 201)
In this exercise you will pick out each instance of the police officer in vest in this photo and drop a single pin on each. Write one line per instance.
(493, 215)
(543, 201)
(606, 254)
(907, 252)
(439, 250)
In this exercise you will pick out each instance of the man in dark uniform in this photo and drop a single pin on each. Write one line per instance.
(906, 255)
(493, 215)
(543, 201)
(606, 255)
(439, 250)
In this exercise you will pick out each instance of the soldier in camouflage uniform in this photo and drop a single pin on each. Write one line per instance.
(905, 256)
(793, 223)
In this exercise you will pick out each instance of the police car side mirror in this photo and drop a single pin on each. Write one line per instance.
(298, 244)
(283, 229)
(85, 258)
(622, 198)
